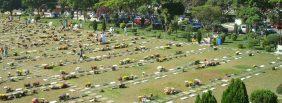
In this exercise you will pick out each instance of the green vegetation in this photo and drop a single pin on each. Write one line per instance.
(235, 93)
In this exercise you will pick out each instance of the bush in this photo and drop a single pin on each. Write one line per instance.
(104, 26)
(279, 89)
(223, 37)
(240, 46)
(214, 43)
(235, 93)
(159, 36)
(199, 37)
(122, 25)
(263, 96)
(117, 31)
(268, 48)
(134, 30)
(37, 17)
(234, 37)
(251, 43)
(149, 29)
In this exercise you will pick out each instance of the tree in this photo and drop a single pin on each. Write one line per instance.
(166, 19)
(207, 14)
(85, 5)
(10, 5)
(250, 15)
(35, 4)
(199, 37)
(198, 99)
(94, 25)
(206, 98)
(235, 93)
(263, 96)
(63, 4)
(189, 30)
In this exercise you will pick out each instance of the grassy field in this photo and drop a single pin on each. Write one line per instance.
(43, 42)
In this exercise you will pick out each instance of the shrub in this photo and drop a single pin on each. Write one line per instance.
(251, 43)
(279, 89)
(240, 46)
(214, 43)
(37, 17)
(223, 37)
(235, 93)
(234, 37)
(263, 96)
(117, 31)
(122, 25)
(159, 36)
(149, 29)
(134, 30)
(104, 26)
(268, 48)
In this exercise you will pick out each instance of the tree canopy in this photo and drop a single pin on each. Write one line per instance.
(263, 96)
(235, 93)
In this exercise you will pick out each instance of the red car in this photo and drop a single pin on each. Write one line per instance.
(137, 21)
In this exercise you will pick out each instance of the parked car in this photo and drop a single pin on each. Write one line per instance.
(157, 25)
(197, 25)
(137, 21)
(243, 29)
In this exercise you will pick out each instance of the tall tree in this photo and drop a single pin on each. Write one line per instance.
(235, 93)
(198, 99)
(209, 15)
(87, 5)
(263, 96)
(10, 5)
(206, 98)
(75, 5)
(35, 4)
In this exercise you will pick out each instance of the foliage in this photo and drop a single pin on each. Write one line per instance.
(223, 37)
(240, 46)
(207, 14)
(235, 93)
(250, 15)
(263, 96)
(174, 8)
(268, 48)
(9, 5)
(206, 98)
(122, 25)
(104, 26)
(251, 43)
(198, 99)
(94, 25)
(279, 89)
(214, 43)
(234, 37)
(37, 17)
(34, 4)
(199, 37)
(143, 9)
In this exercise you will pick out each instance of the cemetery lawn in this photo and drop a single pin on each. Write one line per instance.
(152, 83)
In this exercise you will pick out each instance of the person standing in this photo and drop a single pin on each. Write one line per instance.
(80, 52)
(125, 30)
(5, 51)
